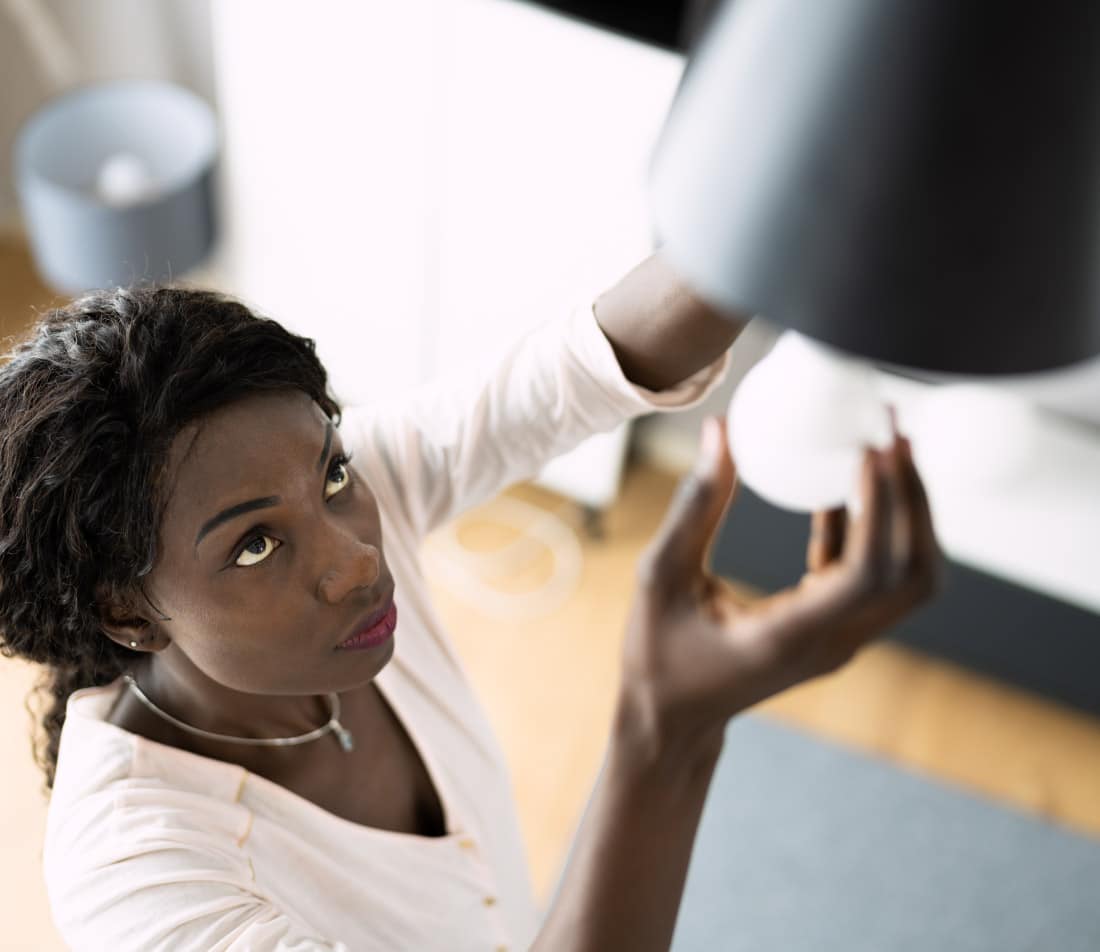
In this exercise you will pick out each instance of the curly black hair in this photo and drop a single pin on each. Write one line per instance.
(89, 404)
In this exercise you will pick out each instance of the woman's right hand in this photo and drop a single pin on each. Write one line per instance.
(696, 654)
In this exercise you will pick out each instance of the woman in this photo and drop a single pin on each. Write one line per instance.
(268, 742)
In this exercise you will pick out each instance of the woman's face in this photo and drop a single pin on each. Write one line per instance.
(270, 551)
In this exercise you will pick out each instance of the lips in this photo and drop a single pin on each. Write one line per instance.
(374, 628)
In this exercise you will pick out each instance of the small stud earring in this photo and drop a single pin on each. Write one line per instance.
(133, 644)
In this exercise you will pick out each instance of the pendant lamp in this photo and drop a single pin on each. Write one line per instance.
(916, 183)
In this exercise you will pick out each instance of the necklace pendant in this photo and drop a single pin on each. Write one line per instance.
(343, 735)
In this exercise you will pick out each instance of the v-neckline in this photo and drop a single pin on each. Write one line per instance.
(427, 761)
(387, 696)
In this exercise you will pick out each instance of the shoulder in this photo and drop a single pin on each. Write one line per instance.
(117, 795)
(119, 835)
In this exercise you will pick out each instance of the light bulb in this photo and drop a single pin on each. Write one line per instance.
(799, 422)
(125, 179)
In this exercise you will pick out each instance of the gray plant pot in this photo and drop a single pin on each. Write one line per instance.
(115, 183)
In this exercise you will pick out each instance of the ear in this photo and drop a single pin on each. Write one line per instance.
(129, 626)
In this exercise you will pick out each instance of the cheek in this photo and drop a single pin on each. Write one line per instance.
(230, 626)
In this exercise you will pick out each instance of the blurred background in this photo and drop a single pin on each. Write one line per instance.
(415, 185)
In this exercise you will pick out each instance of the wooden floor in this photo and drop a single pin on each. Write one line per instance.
(549, 682)
(541, 645)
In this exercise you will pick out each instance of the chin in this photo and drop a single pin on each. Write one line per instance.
(360, 667)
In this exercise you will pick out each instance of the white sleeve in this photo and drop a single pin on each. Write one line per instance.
(455, 442)
(175, 897)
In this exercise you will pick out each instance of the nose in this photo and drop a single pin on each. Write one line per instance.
(357, 567)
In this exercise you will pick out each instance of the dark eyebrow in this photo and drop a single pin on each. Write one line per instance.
(327, 446)
(233, 511)
(253, 504)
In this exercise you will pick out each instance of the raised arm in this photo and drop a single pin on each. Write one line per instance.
(695, 656)
(646, 345)
(660, 331)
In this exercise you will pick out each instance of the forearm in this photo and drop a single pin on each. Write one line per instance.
(624, 881)
(660, 331)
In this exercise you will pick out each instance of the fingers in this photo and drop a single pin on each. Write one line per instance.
(868, 537)
(916, 554)
(828, 528)
(889, 564)
(893, 543)
(926, 551)
(901, 506)
(679, 550)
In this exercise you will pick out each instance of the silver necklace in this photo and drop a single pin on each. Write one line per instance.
(343, 735)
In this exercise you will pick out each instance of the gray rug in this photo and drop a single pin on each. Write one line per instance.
(807, 846)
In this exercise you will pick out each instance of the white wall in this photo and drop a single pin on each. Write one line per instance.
(328, 189)
(415, 185)
(464, 165)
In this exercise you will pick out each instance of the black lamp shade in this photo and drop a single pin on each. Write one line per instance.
(915, 182)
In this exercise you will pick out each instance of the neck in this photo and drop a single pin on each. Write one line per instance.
(176, 686)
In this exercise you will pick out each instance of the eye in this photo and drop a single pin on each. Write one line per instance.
(338, 476)
(256, 550)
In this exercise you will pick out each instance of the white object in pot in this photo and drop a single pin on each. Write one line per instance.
(125, 179)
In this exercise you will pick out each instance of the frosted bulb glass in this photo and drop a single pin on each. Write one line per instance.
(125, 179)
(970, 437)
(798, 424)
